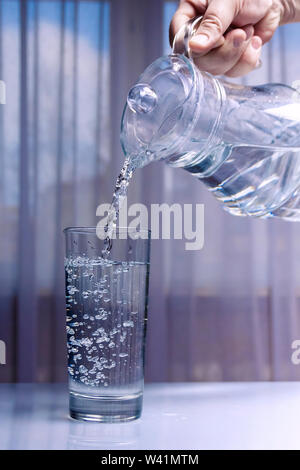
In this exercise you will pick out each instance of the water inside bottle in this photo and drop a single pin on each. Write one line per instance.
(254, 180)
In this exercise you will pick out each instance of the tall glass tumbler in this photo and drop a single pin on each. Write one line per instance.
(106, 302)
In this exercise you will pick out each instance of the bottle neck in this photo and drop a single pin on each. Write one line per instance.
(205, 130)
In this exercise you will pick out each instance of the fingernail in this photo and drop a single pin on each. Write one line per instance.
(256, 43)
(200, 39)
(237, 42)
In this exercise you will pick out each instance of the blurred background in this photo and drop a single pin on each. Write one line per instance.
(227, 312)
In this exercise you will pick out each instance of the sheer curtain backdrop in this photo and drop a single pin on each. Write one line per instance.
(228, 312)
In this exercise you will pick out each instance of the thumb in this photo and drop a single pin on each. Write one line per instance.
(217, 18)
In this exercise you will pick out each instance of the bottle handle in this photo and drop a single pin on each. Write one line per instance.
(185, 33)
(183, 36)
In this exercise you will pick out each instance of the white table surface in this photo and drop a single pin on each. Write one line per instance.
(175, 416)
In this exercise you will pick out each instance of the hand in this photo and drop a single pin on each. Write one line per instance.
(236, 52)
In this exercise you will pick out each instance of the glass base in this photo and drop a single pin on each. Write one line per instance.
(106, 409)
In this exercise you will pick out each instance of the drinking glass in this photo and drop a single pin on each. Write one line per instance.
(106, 302)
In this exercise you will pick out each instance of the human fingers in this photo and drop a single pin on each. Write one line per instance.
(249, 59)
(219, 61)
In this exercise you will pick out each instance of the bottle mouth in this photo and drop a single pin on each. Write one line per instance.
(160, 106)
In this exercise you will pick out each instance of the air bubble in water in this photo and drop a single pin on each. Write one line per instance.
(82, 369)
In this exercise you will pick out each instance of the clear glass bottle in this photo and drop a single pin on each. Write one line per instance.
(242, 142)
